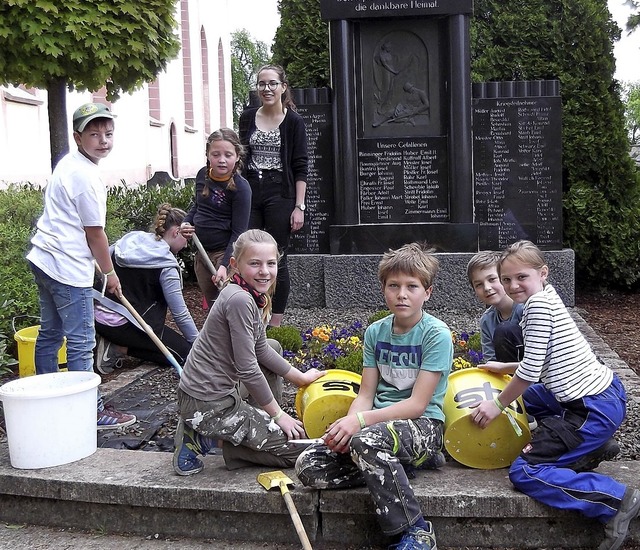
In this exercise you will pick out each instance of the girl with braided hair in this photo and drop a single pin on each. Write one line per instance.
(220, 209)
(151, 280)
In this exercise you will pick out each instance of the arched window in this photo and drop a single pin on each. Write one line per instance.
(173, 145)
(204, 53)
(187, 75)
(222, 85)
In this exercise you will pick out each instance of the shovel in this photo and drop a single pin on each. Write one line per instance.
(269, 480)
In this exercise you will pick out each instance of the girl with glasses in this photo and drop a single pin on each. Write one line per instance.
(275, 138)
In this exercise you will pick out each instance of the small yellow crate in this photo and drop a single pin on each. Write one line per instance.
(26, 340)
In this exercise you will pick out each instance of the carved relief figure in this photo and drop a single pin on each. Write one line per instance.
(414, 103)
(400, 74)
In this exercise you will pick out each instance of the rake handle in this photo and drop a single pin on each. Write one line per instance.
(206, 259)
(151, 334)
(295, 517)
(203, 254)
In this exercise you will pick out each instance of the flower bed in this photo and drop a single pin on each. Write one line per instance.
(332, 347)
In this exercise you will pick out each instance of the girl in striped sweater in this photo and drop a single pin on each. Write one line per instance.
(577, 401)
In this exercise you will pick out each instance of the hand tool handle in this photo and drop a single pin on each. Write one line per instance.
(206, 259)
(151, 334)
(204, 255)
(295, 517)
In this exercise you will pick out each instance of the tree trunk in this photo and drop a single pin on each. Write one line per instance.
(58, 128)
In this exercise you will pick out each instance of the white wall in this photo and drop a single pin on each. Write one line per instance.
(140, 147)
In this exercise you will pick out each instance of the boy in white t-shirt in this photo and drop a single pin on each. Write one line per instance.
(70, 236)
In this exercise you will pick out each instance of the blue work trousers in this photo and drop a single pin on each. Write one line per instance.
(568, 431)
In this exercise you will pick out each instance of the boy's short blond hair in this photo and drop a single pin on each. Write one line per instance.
(482, 260)
(414, 259)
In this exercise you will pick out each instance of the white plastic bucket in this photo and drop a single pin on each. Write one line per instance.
(51, 419)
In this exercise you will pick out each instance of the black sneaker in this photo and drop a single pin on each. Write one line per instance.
(615, 530)
(591, 460)
(106, 357)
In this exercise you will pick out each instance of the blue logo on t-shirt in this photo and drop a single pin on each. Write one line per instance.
(399, 365)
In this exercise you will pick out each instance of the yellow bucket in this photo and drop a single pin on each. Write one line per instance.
(26, 340)
(328, 398)
(498, 444)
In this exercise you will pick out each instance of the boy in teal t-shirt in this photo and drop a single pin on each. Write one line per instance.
(396, 421)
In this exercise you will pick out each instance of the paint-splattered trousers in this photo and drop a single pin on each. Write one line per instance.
(249, 435)
(378, 457)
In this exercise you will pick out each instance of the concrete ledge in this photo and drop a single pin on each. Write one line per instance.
(349, 281)
(120, 491)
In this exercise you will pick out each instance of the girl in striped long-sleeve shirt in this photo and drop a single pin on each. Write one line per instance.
(577, 402)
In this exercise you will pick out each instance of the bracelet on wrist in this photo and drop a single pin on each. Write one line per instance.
(499, 404)
(277, 416)
(360, 418)
(109, 273)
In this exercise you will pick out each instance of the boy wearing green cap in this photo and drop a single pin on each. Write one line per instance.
(70, 236)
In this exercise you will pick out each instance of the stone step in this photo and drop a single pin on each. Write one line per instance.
(120, 491)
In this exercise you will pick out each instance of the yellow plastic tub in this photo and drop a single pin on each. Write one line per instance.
(328, 398)
(498, 444)
(26, 341)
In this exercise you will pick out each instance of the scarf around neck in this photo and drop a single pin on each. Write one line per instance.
(260, 299)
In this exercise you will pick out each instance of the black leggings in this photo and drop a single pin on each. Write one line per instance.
(140, 345)
(271, 212)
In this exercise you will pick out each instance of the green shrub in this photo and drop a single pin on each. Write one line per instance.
(133, 208)
(20, 208)
(604, 236)
(21, 204)
(288, 336)
(128, 208)
(381, 314)
(351, 362)
(7, 360)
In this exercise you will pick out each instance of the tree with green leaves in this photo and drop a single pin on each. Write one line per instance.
(84, 45)
(247, 56)
(631, 98)
(302, 44)
(572, 41)
(634, 19)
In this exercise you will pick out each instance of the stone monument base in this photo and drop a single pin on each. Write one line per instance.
(351, 281)
(380, 237)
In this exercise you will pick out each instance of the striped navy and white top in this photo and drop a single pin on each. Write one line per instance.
(556, 353)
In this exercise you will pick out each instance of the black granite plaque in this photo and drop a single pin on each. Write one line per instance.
(403, 180)
(517, 145)
(313, 238)
(357, 9)
(401, 79)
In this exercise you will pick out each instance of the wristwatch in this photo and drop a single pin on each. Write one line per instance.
(302, 206)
